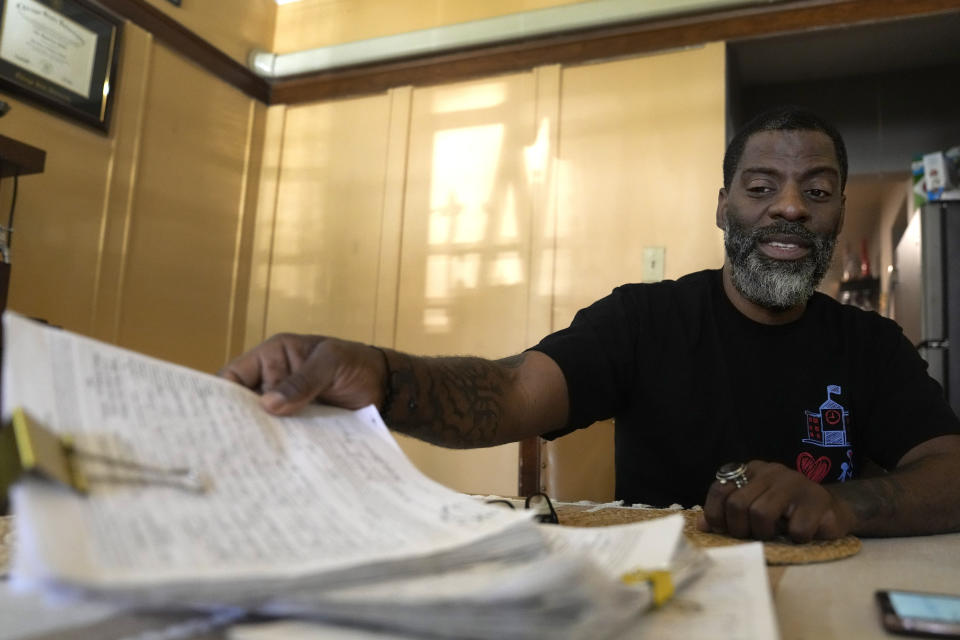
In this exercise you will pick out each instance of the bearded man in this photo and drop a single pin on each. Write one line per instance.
(741, 388)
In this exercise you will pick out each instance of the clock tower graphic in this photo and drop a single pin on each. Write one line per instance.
(827, 427)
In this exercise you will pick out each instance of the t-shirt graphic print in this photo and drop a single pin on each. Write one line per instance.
(828, 453)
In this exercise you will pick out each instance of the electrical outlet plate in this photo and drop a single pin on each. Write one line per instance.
(653, 258)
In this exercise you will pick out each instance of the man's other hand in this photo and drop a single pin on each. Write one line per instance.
(775, 501)
(293, 370)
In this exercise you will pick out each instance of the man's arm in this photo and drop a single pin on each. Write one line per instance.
(452, 401)
(920, 496)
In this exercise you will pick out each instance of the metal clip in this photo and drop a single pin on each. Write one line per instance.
(26, 447)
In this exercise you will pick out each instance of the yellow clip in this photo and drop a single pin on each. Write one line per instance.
(661, 584)
(26, 447)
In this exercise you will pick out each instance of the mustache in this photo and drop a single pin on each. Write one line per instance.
(784, 227)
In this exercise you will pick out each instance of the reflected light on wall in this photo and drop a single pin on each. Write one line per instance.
(536, 155)
(465, 164)
(465, 271)
(436, 320)
(468, 98)
(507, 269)
(441, 221)
(446, 274)
(477, 200)
(508, 218)
(437, 266)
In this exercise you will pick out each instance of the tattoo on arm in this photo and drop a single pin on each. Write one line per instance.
(876, 498)
(919, 497)
(453, 402)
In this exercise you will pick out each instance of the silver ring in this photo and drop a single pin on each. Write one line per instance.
(735, 472)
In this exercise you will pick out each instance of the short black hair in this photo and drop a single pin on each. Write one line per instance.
(787, 118)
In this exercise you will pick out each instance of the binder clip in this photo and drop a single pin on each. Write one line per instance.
(26, 447)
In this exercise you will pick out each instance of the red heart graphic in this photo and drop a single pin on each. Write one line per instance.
(817, 469)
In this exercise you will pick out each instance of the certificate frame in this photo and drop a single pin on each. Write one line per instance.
(61, 54)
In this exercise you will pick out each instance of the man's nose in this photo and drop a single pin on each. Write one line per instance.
(790, 204)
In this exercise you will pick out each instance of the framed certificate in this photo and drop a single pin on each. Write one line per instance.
(62, 54)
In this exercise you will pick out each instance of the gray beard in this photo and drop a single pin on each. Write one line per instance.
(776, 284)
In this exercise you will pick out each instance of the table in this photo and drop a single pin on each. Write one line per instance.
(835, 599)
(824, 601)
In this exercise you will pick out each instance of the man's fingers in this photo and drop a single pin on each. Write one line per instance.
(831, 526)
(714, 507)
(767, 513)
(736, 507)
(702, 524)
(291, 371)
(280, 405)
(805, 521)
(244, 370)
(229, 374)
(744, 507)
(775, 500)
(267, 364)
(282, 356)
(303, 381)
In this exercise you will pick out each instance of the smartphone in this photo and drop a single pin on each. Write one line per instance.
(920, 614)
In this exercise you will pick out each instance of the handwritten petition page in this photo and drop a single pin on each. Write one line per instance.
(290, 497)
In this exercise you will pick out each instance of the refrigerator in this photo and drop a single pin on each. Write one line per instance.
(926, 291)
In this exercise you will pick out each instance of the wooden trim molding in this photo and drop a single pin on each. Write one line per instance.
(190, 45)
(567, 48)
(599, 44)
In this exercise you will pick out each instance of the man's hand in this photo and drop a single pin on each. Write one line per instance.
(775, 501)
(293, 370)
(457, 402)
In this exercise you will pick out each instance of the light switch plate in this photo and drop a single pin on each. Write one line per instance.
(653, 258)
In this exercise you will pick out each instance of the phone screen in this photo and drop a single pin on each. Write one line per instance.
(926, 606)
(923, 613)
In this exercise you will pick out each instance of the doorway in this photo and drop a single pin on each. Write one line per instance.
(892, 89)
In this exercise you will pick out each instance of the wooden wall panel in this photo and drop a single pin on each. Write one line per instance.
(188, 207)
(265, 207)
(465, 257)
(507, 203)
(127, 131)
(326, 235)
(61, 265)
(142, 236)
(58, 218)
(641, 144)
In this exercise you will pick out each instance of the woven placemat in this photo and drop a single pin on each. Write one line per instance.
(775, 551)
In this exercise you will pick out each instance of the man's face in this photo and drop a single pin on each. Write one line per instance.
(781, 216)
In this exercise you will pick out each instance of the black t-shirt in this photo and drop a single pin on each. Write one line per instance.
(692, 383)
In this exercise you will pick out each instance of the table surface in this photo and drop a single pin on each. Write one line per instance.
(836, 599)
(821, 601)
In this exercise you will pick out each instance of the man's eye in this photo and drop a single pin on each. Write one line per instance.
(760, 188)
(818, 193)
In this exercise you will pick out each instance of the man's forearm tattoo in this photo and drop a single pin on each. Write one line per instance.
(453, 402)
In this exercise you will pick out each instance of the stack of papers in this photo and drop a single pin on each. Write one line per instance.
(319, 515)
